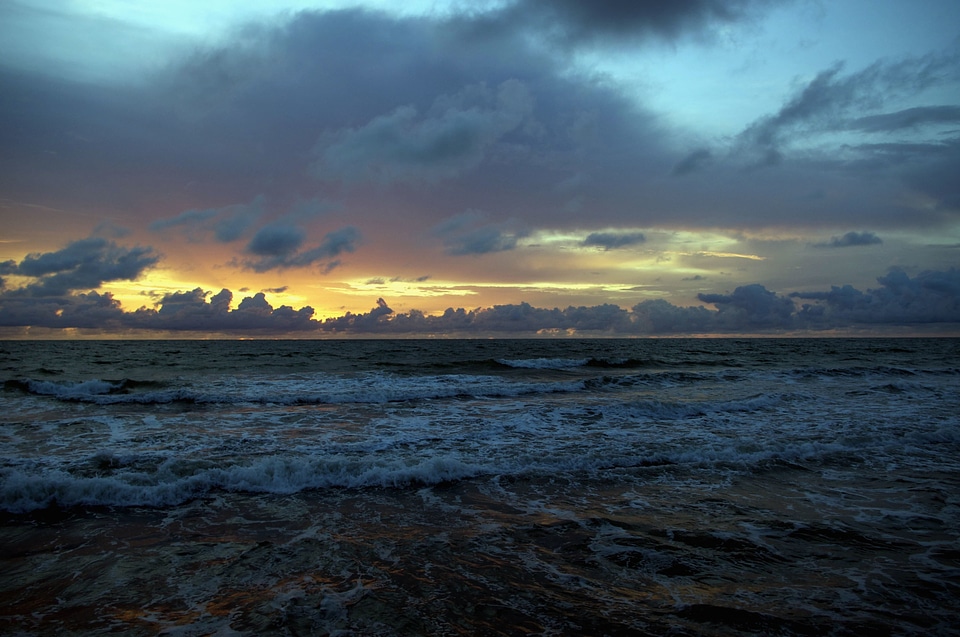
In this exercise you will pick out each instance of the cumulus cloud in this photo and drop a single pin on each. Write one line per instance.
(191, 311)
(85, 264)
(613, 240)
(930, 298)
(852, 239)
(751, 306)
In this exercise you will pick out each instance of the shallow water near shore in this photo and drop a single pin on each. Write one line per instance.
(684, 487)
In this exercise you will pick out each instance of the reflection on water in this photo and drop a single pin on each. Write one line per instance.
(758, 555)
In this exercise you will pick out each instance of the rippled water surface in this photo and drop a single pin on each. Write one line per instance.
(687, 487)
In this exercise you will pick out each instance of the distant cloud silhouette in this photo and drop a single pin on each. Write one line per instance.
(852, 239)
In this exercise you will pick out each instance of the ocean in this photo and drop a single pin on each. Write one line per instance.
(481, 487)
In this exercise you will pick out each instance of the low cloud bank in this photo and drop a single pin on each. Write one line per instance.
(51, 298)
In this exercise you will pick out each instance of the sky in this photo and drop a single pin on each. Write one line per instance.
(551, 167)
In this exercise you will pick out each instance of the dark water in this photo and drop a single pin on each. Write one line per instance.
(547, 487)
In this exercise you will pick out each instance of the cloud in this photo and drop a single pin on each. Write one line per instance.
(373, 321)
(613, 240)
(469, 233)
(190, 311)
(227, 224)
(852, 239)
(276, 241)
(930, 297)
(85, 264)
(575, 22)
(693, 162)
(827, 101)
(751, 307)
(908, 118)
(278, 247)
(403, 146)
(408, 119)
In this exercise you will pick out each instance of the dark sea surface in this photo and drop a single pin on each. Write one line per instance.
(481, 487)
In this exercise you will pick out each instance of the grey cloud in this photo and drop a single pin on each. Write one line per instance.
(448, 140)
(373, 321)
(929, 297)
(908, 118)
(852, 239)
(83, 264)
(84, 310)
(613, 240)
(278, 247)
(470, 233)
(827, 101)
(693, 162)
(190, 311)
(570, 22)
(276, 241)
(242, 119)
(658, 316)
(227, 224)
(751, 306)
(397, 101)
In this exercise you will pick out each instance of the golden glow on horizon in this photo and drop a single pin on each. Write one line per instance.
(725, 255)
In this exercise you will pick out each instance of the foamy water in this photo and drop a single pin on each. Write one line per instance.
(698, 487)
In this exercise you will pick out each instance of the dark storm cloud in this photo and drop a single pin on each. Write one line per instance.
(85, 264)
(852, 239)
(613, 240)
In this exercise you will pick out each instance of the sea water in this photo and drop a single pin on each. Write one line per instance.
(481, 487)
